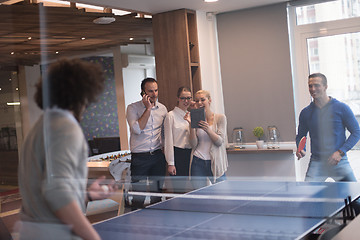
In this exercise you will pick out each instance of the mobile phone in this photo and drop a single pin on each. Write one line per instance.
(143, 93)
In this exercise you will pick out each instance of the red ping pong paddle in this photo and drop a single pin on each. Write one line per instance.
(301, 145)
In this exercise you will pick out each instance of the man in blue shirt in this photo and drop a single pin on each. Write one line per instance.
(326, 119)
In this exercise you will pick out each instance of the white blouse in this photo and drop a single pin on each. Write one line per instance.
(204, 144)
(176, 130)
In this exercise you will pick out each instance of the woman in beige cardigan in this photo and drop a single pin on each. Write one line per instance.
(208, 157)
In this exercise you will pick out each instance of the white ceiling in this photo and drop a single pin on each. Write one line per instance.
(158, 6)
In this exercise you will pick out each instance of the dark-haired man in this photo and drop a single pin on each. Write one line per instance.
(145, 119)
(326, 120)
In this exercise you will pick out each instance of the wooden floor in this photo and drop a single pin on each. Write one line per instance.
(10, 202)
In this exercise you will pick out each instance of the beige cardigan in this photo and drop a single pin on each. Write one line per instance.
(218, 156)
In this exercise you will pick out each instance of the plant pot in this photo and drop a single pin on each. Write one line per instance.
(260, 144)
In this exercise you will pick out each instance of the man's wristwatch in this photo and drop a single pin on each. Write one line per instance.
(341, 153)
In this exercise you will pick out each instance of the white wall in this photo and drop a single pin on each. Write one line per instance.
(33, 75)
(30, 112)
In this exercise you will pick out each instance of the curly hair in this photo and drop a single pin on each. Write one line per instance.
(71, 85)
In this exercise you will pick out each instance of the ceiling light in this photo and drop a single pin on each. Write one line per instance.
(0, 88)
(17, 89)
(120, 12)
(12, 103)
(210, 0)
(89, 6)
(83, 38)
(12, 53)
(104, 20)
(57, 52)
(131, 39)
(29, 38)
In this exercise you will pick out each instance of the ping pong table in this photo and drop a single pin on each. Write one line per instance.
(236, 210)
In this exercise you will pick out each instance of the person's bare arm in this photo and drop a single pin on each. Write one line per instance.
(72, 215)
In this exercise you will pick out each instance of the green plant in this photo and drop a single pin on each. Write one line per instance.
(258, 132)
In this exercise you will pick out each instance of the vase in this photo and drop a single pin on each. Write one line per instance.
(260, 144)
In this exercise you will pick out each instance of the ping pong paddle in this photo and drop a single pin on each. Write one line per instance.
(301, 145)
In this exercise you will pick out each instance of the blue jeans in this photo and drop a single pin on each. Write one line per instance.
(201, 172)
(320, 170)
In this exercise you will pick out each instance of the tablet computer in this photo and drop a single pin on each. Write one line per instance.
(197, 115)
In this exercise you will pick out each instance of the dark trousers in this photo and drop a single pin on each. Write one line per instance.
(147, 174)
(182, 161)
(180, 182)
(201, 172)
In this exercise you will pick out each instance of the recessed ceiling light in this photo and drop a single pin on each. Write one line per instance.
(57, 52)
(210, 0)
(0, 88)
(29, 38)
(83, 38)
(12, 53)
(16, 89)
(131, 39)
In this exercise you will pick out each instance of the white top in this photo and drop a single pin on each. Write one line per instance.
(148, 139)
(177, 133)
(218, 156)
(203, 148)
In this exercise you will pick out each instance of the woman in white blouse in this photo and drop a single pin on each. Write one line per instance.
(177, 146)
(209, 159)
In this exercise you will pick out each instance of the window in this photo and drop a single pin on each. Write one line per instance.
(325, 38)
(327, 11)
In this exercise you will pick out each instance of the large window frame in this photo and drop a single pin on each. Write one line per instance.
(299, 54)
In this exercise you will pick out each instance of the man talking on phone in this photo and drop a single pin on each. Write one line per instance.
(148, 165)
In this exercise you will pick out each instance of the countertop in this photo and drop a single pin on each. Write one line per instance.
(284, 147)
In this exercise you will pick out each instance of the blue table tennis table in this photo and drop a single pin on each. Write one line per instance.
(236, 210)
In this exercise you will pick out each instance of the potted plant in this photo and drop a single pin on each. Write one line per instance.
(259, 132)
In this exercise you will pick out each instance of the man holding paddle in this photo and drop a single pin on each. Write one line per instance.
(326, 120)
